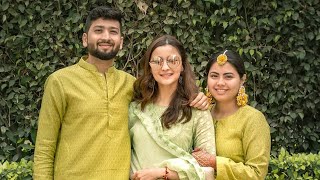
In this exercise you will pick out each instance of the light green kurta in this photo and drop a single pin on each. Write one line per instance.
(243, 145)
(83, 125)
(147, 151)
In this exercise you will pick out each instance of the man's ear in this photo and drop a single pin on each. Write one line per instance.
(121, 43)
(85, 39)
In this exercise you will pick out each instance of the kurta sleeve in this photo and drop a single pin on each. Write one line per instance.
(204, 136)
(184, 169)
(50, 118)
(132, 117)
(256, 146)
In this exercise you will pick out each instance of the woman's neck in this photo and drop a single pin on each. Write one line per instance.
(222, 110)
(165, 95)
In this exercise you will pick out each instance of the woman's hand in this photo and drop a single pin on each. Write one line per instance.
(203, 158)
(149, 174)
(200, 102)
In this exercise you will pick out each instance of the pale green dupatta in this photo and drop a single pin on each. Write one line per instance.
(185, 165)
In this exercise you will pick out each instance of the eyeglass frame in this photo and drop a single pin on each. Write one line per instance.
(174, 58)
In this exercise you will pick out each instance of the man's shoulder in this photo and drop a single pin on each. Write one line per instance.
(125, 74)
(65, 70)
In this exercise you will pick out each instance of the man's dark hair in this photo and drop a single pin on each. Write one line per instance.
(103, 12)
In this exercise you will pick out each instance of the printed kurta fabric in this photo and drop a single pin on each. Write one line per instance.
(243, 145)
(83, 124)
(154, 146)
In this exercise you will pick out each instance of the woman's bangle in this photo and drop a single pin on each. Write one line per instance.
(165, 176)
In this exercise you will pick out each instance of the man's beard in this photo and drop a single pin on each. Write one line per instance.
(103, 55)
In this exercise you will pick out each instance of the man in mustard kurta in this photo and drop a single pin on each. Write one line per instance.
(83, 121)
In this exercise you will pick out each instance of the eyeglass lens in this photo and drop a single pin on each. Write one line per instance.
(173, 61)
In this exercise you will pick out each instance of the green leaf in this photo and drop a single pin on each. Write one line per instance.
(276, 38)
(21, 8)
(11, 82)
(5, 6)
(167, 30)
(21, 107)
(251, 52)
(23, 23)
(3, 129)
(307, 67)
(4, 18)
(39, 27)
(310, 35)
(295, 16)
(240, 51)
(225, 24)
(185, 4)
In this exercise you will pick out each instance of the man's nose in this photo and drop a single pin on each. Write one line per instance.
(106, 35)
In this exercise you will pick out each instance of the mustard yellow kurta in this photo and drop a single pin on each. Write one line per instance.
(83, 125)
(243, 145)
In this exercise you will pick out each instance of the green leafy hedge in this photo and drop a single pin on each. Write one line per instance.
(279, 41)
(285, 166)
(296, 166)
(16, 170)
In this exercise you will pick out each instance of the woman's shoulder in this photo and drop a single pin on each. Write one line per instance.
(133, 104)
(252, 115)
(249, 110)
(198, 112)
(199, 116)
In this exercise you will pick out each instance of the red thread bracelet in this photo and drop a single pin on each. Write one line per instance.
(165, 176)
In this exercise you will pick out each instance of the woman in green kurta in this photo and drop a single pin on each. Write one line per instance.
(242, 132)
(164, 129)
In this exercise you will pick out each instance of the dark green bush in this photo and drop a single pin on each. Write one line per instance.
(279, 41)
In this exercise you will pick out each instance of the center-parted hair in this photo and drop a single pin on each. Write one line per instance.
(233, 58)
(146, 89)
(103, 12)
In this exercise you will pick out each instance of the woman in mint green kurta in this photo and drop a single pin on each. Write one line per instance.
(242, 132)
(164, 129)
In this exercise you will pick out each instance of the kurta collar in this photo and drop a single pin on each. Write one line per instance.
(84, 64)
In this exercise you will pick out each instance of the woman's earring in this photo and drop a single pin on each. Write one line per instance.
(242, 97)
(209, 96)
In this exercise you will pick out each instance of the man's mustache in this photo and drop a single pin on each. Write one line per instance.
(109, 42)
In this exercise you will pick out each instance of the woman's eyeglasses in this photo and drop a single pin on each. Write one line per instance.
(172, 61)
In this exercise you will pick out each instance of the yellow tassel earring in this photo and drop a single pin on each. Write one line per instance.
(209, 96)
(242, 97)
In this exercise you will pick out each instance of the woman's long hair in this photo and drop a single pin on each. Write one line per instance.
(146, 88)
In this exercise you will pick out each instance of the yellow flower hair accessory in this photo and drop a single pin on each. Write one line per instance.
(222, 58)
